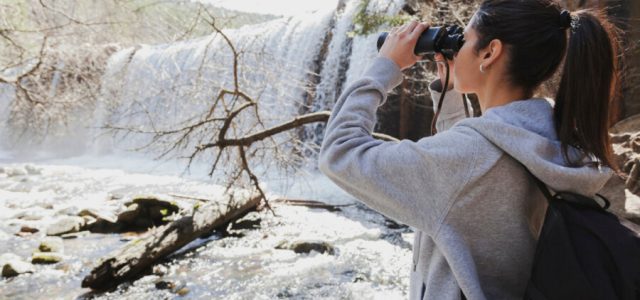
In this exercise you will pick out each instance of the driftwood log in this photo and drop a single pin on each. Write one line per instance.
(139, 255)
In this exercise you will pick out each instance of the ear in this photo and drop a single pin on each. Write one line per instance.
(490, 54)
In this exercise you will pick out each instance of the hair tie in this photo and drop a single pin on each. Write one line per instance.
(565, 19)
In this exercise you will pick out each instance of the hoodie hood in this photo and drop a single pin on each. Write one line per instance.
(525, 130)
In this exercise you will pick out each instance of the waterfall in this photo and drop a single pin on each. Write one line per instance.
(290, 65)
(364, 47)
(7, 93)
(347, 58)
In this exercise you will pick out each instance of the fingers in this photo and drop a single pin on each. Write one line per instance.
(409, 27)
(400, 44)
(419, 29)
(412, 28)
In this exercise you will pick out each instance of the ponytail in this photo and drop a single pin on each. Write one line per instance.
(589, 89)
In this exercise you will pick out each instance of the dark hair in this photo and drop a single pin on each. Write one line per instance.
(535, 36)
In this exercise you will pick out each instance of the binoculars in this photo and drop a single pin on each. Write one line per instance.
(445, 40)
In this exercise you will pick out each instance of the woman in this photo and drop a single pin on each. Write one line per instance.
(475, 211)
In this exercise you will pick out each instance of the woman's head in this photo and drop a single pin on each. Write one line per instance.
(530, 35)
(527, 40)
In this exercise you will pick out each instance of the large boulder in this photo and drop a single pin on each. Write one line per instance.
(140, 214)
(147, 211)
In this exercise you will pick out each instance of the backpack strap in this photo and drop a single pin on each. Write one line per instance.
(567, 196)
(541, 185)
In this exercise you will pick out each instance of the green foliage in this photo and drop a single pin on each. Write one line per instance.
(366, 22)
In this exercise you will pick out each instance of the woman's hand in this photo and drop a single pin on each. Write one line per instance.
(401, 42)
(442, 70)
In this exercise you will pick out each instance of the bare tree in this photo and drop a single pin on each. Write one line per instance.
(53, 53)
(221, 125)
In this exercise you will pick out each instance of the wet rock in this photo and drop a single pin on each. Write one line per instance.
(160, 270)
(144, 212)
(98, 214)
(51, 244)
(101, 221)
(164, 285)
(307, 246)
(66, 225)
(46, 258)
(182, 292)
(89, 220)
(103, 226)
(141, 213)
(26, 231)
(176, 286)
(75, 235)
(46, 205)
(246, 224)
(114, 196)
(129, 215)
(391, 224)
(395, 238)
(157, 203)
(16, 267)
(158, 212)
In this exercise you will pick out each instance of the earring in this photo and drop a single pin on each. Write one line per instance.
(481, 68)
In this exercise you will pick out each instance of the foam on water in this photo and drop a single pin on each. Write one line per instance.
(173, 82)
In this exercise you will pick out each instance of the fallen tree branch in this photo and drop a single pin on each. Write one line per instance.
(138, 255)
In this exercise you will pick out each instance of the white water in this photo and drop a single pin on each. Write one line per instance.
(176, 82)
(372, 261)
(181, 80)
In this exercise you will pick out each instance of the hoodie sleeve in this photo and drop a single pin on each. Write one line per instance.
(412, 182)
(452, 106)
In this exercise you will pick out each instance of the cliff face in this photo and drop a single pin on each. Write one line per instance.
(632, 76)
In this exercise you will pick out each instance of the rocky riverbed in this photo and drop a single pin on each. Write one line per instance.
(59, 218)
(57, 221)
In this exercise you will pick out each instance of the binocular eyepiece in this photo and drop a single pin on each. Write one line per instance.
(445, 40)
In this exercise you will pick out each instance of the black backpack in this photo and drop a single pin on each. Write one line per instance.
(584, 251)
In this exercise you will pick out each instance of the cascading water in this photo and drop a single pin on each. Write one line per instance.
(346, 59)
(7, 93)
(181, 80)
(158, 86)
(289, 66)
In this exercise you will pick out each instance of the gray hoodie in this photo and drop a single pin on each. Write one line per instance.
(475, 211)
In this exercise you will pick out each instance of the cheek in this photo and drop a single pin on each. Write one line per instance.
(464, 73)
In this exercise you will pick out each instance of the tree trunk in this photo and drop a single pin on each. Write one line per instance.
(138, 255)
